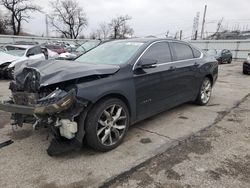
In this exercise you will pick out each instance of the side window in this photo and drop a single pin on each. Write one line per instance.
(31, 52)
(34, 51)
(196, 52)
(182, 51)
(38, 50)
(160, 52)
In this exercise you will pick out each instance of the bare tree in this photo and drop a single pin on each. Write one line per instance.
(68, 18)
(3, 25)
(19, 10)
(120, 28)
(95, 35)
(104, 30)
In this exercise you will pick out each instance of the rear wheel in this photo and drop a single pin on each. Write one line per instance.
(229, 61)
(205, 92)
(107, 124)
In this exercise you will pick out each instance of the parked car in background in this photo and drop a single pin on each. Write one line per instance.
(85, 47)
(99, 95)
(246, 65)
(222, 56)
(14, 54)
(56, 48)
(2, 49)
(49, 54)
(31, 43)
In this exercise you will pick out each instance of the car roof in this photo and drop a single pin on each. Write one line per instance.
(22, 46)
(149, 40)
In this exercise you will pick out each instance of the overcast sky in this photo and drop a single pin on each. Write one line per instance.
(154, 17)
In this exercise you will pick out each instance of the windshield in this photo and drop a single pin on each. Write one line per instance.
(18, 53)
(111, 53)
(88, 46)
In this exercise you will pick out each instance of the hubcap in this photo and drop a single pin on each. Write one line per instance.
(111, 125)
(206, 91)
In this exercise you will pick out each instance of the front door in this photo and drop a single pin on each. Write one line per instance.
(154, 85)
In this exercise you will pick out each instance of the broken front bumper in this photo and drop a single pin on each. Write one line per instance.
(55, 102)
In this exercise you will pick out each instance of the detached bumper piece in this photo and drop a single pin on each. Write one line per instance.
(55, 102)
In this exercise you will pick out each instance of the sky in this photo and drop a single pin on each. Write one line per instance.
(154, 17)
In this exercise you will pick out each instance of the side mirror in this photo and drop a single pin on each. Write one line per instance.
(147, 63)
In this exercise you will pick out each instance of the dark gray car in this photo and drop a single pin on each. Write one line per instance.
(110, 88)
(222, 56)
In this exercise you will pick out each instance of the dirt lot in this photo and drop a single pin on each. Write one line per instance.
(217, 157)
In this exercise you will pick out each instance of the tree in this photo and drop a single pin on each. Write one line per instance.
(3, 25)
(104, 30)
(68, 18)
(120, 28)
(19, 10)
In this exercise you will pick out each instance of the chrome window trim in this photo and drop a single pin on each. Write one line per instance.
(160, 64)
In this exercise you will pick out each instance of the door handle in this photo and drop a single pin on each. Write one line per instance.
(172, 68)
(196, 64)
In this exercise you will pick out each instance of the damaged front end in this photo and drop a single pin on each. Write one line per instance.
(53, 106)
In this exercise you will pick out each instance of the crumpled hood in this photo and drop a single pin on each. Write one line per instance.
(56, 71)
(4, 58)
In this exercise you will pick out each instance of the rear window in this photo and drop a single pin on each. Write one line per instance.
(182, 51)
(196, 52)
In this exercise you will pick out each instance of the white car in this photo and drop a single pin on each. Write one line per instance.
(14, 54)
(24, 52)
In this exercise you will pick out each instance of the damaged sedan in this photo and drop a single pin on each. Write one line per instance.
(96, 98)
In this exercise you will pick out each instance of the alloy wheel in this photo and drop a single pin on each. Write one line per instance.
(111, 125)
(206, 90)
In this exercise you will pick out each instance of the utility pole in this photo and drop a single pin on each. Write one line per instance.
(196, 35)
(167, 34)
(180, 34)
(47, 25)
(203, 21)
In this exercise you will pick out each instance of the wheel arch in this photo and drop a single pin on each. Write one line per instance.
(116, 95)
(210, 78)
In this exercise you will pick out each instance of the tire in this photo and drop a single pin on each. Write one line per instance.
(245, 72)
(107, 124)
(205, 92)
(229, 61)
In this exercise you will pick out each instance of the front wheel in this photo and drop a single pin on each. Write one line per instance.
(204, 92)
(107, 124)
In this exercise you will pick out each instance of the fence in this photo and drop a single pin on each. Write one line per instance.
(5, 39)
(239, 48)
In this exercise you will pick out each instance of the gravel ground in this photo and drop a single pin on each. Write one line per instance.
(218, 156)
(195, 162)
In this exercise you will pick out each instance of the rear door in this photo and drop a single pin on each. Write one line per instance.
(186, 64)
